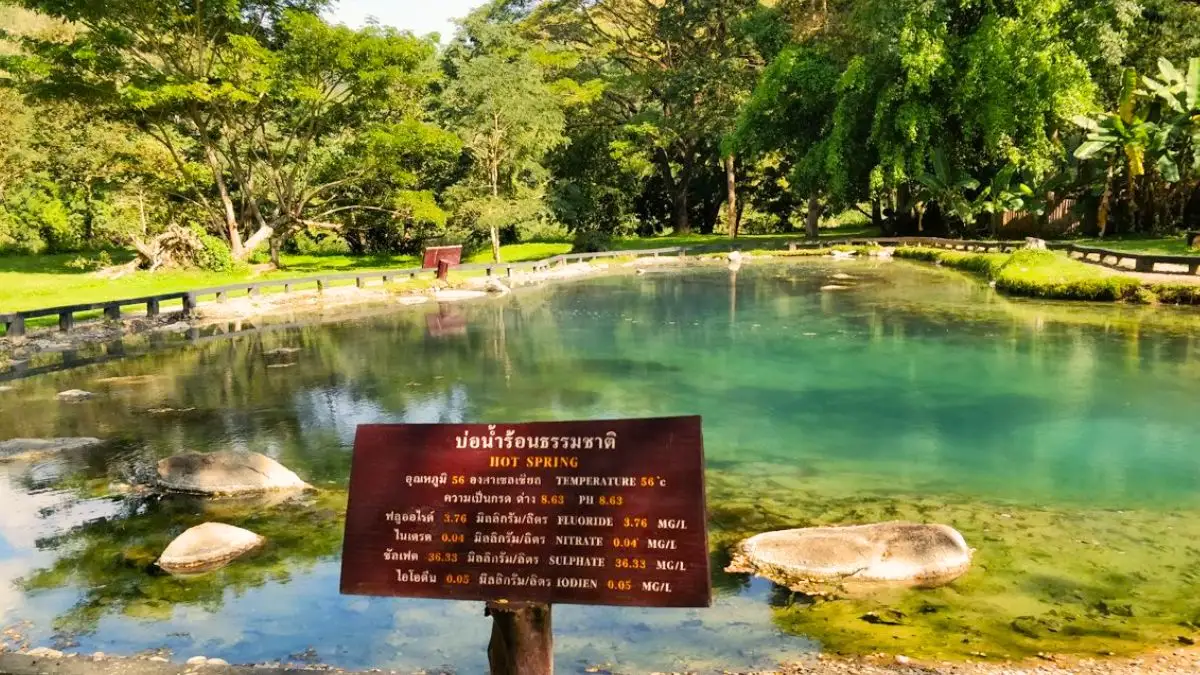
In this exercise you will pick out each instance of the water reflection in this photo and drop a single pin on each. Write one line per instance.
(910, 386)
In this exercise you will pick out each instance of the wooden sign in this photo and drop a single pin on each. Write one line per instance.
(451, 254)
(604, 512)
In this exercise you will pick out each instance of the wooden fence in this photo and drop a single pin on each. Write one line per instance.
(14, 323)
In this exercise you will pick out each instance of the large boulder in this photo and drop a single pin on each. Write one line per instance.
(207, 547)
(23, 449)
(812, 560)
(226, 473)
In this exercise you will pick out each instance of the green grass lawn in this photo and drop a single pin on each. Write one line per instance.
(1175, 245)
(33, 282)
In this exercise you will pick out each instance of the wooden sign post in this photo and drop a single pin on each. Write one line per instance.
(525, 515)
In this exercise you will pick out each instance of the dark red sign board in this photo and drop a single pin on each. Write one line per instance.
(451, 254)
(599, 512)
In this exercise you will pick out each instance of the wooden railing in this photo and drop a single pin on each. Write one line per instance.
(14, 323)
(1136, 262)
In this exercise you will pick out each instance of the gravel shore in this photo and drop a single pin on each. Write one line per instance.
(1179, 662)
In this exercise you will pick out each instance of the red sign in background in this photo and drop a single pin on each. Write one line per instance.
(451, 254)
(597, 512)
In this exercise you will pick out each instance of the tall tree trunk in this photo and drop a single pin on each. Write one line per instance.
(89, 216)
(877, 217)
(495, 229)
(1102, 216)
(231, 224)
(731, 205)
(813, 221)
(276, 246)
(683, 206)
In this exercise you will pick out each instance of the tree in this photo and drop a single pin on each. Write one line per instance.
(257, 101)
(791, 114)
(506, 113)
(674, 74)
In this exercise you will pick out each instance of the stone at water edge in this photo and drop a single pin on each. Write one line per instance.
(810, 559)
(74, 395)
(842, 276)
(452, 295)
(19, 449)
(835, 287)
(494, 285)
(207, 547)
(226, 473)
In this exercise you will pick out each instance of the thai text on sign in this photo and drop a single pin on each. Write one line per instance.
(598, 512)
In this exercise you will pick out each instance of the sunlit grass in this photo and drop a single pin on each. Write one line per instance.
(1175, 245)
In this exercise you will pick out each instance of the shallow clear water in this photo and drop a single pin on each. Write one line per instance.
(1061, 440)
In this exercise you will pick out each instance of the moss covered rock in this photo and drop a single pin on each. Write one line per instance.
(21, 449)
(811, 560)
(226, 473)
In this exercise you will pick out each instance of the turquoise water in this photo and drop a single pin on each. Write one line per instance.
(911, 393)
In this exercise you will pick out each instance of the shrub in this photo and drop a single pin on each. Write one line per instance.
(592, 241)
(83, 262)
(214, 254)
(543, 229)
(321, 244)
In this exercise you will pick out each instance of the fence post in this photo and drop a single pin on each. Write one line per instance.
(252, 291)
(66, 321)
(443, 269)
(220, 296)
(320, 285)
(152, 307)
(112, 312)
(189, 303)
(360, 282)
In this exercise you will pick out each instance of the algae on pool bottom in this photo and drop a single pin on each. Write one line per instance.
(1057, 440)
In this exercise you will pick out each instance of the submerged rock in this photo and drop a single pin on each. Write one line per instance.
(226, 473)
(207, 547)
(22, 449)
(283, 351)
(74, 395)
(807, 559)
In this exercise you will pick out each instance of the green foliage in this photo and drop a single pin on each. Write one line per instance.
(327, 244)
(214, 254)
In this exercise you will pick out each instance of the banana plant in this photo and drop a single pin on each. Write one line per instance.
(1122, 139)
(1179, 93)
(947, 186)
(1004, 193)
